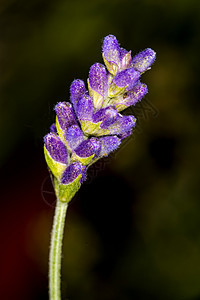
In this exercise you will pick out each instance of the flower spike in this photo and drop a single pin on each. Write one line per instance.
(90, 127)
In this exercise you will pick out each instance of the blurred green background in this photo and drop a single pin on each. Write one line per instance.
(133, 230)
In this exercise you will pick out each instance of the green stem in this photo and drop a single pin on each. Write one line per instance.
(56, 250)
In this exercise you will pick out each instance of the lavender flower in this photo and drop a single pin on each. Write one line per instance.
(74, 136)
(56, 154)
(72, 172)
(91, 126)
(65, 115)
(77, 89)
(108, 143)
(143, 60)
(97, 84)
(111, 54)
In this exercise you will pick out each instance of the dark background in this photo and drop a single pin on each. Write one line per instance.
(133, 229)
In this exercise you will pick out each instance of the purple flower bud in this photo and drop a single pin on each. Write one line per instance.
(53, 128)
(72, 172)
(85, 108)
(131, 97)
(74, 136)
(65, 115)
(125, 134)
(88, 148)
(56, 148)
(98, 84)
(136, 94)
(111, 49)
(126, 78)
(108, 144)
(77, 89)
(107, 116)
(98, 78)
(111, 53)
(143, 60)
(123, 124)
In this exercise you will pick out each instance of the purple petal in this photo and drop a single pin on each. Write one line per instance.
(74, 136)
(125, 134)
(123, 52)
(136, 94)
(143, 60)
(72, 172)
(128, 77)
(98, 78)
(108, 144)
(111, 50)
(77, 89)
(53, 128)
(111, 54)
(65, 115)
(132, 96)
(85, 108)
(123, 124)
(56, 148)
(107, 115)
(88, 148)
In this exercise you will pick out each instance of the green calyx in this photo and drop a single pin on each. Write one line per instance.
(94, 129)
(56, 168)
(65, 192)
(60, 131)
(115, 91)
(96, 97)
(120, 106)
(84, 160)
(111, 66)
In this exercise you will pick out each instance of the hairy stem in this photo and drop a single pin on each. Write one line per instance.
(56, 251)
